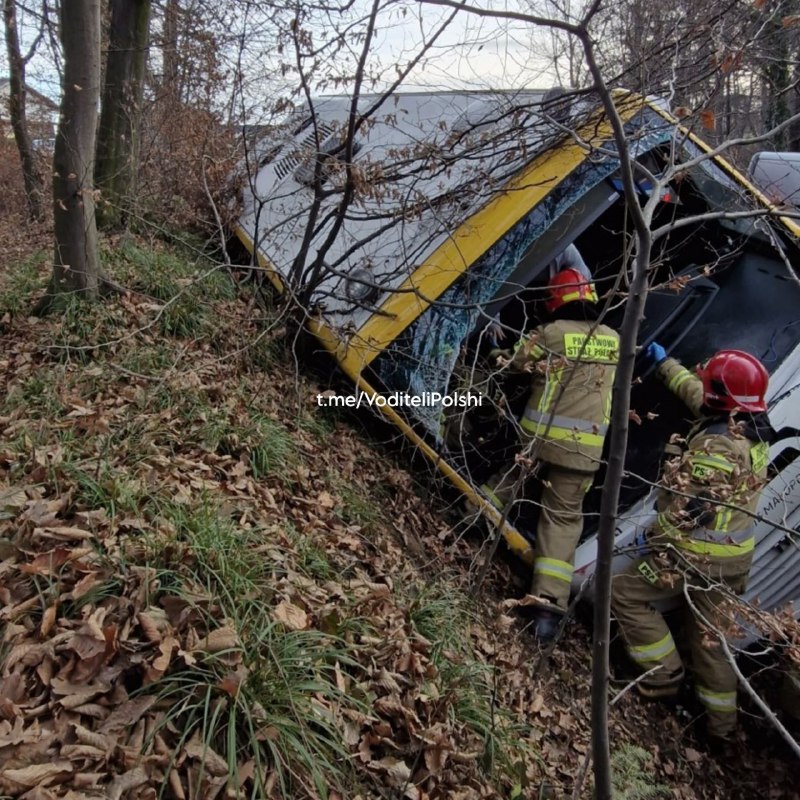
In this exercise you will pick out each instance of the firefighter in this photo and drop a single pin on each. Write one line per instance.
(571, 359)
(701, 544)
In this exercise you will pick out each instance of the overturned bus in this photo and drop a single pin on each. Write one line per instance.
(408, 223)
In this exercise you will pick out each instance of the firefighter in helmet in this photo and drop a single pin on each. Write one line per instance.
(571, 360)
(701, 544)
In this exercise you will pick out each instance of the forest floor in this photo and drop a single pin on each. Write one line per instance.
(210, 587)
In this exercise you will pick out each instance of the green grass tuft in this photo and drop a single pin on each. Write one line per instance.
(281, 716)
(357, 507)
(21, 282)
(633, 777)
(311, 558)
(84, 329)
(105, 488)
(443, 617)
(271, 447)
(37, 396)
(185, 281)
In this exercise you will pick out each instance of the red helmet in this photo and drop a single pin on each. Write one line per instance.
(566, 287)
(733, 379)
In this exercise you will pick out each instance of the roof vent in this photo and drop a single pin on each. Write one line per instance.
(331, 153)
(297, 151)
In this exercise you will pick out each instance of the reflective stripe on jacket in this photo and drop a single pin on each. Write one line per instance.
(572, 366)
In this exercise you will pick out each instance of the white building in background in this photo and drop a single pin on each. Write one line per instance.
(42, 114)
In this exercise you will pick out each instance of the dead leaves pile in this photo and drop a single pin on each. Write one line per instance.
(90, 632)
(79, 633)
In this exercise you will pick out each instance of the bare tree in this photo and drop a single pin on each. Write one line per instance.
(76, 268)
(118, 135)
(18, 108)
(169, 48)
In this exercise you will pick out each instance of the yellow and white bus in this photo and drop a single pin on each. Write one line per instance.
(419, 225)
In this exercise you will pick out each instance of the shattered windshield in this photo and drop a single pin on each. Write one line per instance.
(721, 192)
(423, 357)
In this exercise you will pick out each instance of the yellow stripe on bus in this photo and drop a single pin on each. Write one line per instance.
(247, 240)
(742, 180)
(514, 539)
(471, 240)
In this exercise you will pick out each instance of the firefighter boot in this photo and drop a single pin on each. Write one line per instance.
(722, 748)
(546, 624)
(546, 620)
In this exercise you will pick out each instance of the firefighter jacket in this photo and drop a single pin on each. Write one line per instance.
(572, 365)
(708, 488)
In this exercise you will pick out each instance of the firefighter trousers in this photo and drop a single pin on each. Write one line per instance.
(559, 527)
(661, 576)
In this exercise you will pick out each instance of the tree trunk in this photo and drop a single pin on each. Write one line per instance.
(117, 144)
(169, 50)
(609, 508)
(794, 128)
(76, 264)
(778, 83)
(16, 108)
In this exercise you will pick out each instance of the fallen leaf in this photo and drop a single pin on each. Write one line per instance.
(232, 682)
(86, 736)
(127, 714)
(692, 755)
(708, 119)
(76, 752)
(212, 760)
(12, 687)
(72, 695)
(161, 663)
(48, 620)
(87, 780)
(220, 639)
(325, 500)
(13, 499)
(64, 532)
(47, 563)
(398, 771)
(84, 585)
(36, 774)
(125, 782)
(435, 759)
(87, 645)
(291, 616)
(150, 625)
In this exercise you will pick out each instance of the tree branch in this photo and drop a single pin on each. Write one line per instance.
(515, 15)
(794, 746)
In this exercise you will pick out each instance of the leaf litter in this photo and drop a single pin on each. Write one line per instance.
(102, 606)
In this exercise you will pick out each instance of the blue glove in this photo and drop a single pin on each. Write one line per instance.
(640, 544)
(656, 353)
